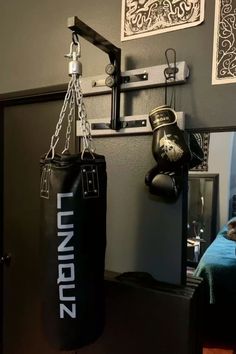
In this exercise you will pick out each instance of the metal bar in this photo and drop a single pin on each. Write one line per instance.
(115, 97)
(114, 53)
(142, 78)
(129, 125)
(92, 86)
(92, 36)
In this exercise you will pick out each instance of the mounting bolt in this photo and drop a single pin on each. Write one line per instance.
(110, 81)
(110, 69)
(145, 75)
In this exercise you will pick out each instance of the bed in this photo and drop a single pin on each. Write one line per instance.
(218, 268)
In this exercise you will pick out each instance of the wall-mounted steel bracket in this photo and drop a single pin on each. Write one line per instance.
(116, 82)
(114, 53)
(135, 79)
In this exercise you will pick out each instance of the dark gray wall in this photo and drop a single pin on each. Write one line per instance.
(143, 233)
(33, 40)
(140, 236)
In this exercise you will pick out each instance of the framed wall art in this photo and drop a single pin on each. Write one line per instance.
(224, 46)
(141, 18)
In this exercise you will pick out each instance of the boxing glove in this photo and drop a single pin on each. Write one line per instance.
(163, 183)
(169, 147)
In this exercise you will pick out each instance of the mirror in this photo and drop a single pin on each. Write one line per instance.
(202, 214)
(211, 193)
(211, 203)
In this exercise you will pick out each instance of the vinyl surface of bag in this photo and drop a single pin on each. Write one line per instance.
(73, 233)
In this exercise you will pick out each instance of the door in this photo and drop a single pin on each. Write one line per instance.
(27, 132)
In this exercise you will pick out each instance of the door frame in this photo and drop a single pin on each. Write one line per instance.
(1, 220)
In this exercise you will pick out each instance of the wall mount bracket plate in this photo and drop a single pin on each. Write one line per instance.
(148, 77)
(130, 125)
(116, 81)
(143, 78)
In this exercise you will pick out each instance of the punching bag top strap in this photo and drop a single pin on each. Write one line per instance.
(88, 168)
(162, 116)
(67, 159)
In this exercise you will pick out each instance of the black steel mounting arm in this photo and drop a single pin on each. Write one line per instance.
(79, 27)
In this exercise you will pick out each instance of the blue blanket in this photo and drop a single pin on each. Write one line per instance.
(218, 269)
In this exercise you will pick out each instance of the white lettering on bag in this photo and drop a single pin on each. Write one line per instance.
(68, 236)
(65, 309)
(66, 271)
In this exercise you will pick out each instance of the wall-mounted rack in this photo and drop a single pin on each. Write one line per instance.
(138, 124)
(152, 76)
(117, 81)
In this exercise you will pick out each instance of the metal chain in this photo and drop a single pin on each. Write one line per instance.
(71, 116)
(55, 137)
(87, 140)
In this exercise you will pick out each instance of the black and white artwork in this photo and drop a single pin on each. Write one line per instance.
(141, 18)
(224, 49)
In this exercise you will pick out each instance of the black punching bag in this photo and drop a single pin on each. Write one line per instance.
(73, 233)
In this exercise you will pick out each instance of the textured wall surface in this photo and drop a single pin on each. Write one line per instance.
(143, 233)
(32, 56)
(34, 38)
(140, 234)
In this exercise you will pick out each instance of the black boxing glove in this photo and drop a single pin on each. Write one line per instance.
(169, 147)
(164, 184)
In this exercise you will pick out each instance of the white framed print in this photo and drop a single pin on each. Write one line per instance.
(142, 18)
(224, 43)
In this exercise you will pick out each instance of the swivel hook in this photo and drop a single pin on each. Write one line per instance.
(75, 66)
(75, 49)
